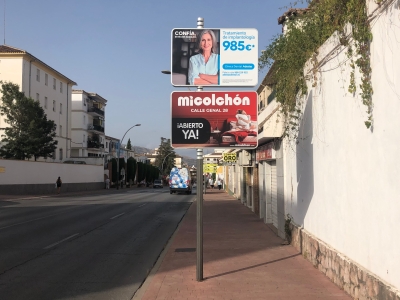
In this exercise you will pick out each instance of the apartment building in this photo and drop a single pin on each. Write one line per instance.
(88, 137)
(44, 84)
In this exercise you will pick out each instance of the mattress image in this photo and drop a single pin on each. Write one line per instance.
(228, 139)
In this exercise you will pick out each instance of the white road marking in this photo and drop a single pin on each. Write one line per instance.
(66, 239)
(30, 221)
(117, 216)
(142, 205)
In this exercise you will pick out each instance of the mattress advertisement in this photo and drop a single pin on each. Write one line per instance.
(214, 57)
(214, 119)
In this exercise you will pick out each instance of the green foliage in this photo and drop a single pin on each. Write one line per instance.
(129, 145)
(114, 170)
(304, 36)
(147, 172)
(131, 168)
(288, 228)
(166, 156)
(141, 171)
(29, 134)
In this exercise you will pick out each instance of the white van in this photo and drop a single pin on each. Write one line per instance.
(180, 181)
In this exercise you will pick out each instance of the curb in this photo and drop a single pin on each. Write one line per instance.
(145, 284)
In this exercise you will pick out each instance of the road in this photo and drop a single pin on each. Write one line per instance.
(85, 246)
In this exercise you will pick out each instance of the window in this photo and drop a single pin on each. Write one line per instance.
(37, 97)
(60, 130)
(60, 154)
(84, 102)
(84, 139)
(46, 79)
(271, 97)
(60, 108)
(54, 105)
(106, 144)
(37, 75)
(54, 154)
(54, 83)
(60, 87)
(84, 120)
(45, 102)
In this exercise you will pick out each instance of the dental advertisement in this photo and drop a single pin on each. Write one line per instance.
(214, 57)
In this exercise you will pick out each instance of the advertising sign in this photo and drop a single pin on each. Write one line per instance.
(265, 152)
(230, 157)
(210, 168)
(214, 119)
(217, 57)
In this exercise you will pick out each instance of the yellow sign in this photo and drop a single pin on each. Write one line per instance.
(2, 169)
(230, 157)
(210, 168)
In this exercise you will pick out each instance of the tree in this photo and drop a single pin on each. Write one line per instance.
(166, 156)
(29, 134)
(131, 168)
(129, 145)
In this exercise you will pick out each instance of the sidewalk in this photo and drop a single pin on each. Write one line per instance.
(243, 259)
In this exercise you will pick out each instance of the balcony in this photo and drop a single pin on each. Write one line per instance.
(94, 145)
(96, 128)
(94, 111)
(270, 123)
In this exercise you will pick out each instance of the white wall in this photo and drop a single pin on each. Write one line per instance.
(341, 180)
(29, 172)
(22, 71)
(10, 70)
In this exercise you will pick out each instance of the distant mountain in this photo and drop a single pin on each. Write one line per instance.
(185, 159)
(141, 150)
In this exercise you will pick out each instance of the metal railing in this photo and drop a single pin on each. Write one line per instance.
(96, 110)
(96, 127)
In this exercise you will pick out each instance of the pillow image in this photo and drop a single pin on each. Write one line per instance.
(233, 125)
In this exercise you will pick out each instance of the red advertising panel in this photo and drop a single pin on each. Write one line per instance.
(265, 152)
(214, 119)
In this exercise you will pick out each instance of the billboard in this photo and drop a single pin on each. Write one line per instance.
(214, 57)
(229, 157)
(214, 119)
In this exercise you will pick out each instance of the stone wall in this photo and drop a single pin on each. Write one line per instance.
(352, 278)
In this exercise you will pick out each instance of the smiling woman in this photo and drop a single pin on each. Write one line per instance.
(204, 67)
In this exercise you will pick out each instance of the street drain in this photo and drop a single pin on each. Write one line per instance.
(185, 250)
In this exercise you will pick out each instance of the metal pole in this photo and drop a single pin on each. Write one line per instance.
(119, 145)
(199, 193)
(200, 180)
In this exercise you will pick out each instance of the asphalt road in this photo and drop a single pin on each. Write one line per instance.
(83, 246)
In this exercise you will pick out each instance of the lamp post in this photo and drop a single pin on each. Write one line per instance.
(162, 164)
(119, 149)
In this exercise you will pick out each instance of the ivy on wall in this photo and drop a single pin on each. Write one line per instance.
(306, 31)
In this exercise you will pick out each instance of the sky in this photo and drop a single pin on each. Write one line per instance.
(118, 49)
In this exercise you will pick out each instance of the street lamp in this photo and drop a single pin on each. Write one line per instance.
(166, 72)
(119, 149)
(164, 160)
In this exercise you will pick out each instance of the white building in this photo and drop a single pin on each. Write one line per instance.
(44, 84)
(88, 124)
(338, 181)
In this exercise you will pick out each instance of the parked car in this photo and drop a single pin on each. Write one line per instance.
(157, 184)
(180, 181)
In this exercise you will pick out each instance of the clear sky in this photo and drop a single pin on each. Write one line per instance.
(118, 48)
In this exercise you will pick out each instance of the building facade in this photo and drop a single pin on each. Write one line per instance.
(88, 137)
(334, 186)
(44, 84)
